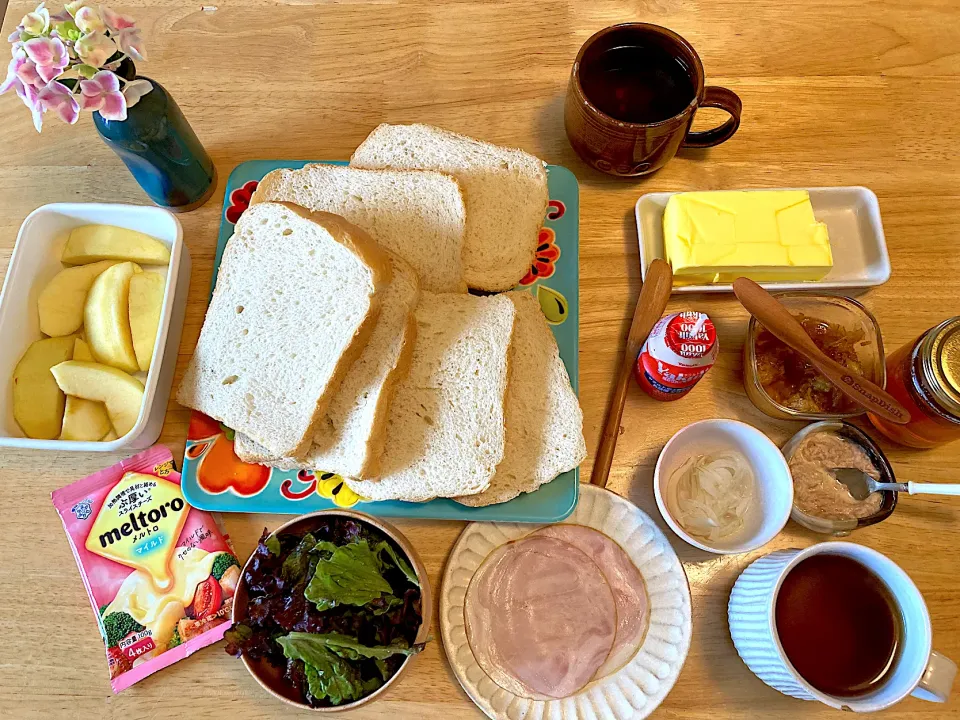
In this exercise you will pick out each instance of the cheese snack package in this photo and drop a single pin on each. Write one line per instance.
(160, 574)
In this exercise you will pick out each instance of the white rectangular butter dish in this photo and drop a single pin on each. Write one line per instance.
(36, 259)
(852, 216)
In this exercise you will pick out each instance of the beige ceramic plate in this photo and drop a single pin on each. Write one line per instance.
(636, 689)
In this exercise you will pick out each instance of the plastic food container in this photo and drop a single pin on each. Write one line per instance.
(842, 311)
(36, 259)
(841, 528)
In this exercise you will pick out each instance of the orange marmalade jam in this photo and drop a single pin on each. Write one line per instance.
(925, 377)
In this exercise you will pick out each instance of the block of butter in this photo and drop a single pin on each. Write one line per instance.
(765, 235)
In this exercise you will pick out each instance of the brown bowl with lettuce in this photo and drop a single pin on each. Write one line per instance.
(330, 610)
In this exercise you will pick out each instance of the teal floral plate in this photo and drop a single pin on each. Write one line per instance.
(215, 479)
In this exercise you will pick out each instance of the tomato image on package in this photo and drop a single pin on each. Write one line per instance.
(139, 525)
(160, 574)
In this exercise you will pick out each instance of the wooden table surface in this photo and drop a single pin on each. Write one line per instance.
(834, 93)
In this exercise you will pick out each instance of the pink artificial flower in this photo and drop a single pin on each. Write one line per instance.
(27, 93)
(36, 22)
(31, 98)
(89, 20)
(95, 48)
(50, 56)
(102, 93)
(114, 20)
(136, 89)
(29, 74)
(131, 43)
(58, 98)
(74, 7)
(12, 78)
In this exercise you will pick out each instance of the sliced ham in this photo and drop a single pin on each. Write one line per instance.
(625, 581)
(541, 618)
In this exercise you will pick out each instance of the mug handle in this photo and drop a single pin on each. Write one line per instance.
(937, 679)
(727, 100)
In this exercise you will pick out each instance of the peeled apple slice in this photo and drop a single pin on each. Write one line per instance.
(146, 302)
(90, 243)
(121, 393)
(106, 318)
(84, 420)
(37, 401)
(61, 301)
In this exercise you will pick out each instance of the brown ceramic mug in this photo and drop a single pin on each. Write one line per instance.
(633, 94)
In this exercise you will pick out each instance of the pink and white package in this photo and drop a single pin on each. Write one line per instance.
(160, 574)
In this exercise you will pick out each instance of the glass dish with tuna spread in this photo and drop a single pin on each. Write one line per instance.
(815, 489)
(820, 501)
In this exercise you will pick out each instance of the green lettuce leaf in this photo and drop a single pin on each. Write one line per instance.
(384, 546)
(332, 679)
(349, 576)
(351, 649)
(298, 561)
(273, 545)
(329, 676)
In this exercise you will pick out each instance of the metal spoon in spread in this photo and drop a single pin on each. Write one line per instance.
(778, 320)
(861, 485)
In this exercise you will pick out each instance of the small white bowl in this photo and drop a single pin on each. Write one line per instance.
(773, 501)
(36, 259)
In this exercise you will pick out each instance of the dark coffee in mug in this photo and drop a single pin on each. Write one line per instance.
(839, 625)
(634, 90)
(637, 83)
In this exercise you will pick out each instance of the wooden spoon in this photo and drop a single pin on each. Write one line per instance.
(778, 320)
(650, 306)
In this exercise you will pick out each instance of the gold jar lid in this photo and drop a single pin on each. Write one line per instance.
(940, 360)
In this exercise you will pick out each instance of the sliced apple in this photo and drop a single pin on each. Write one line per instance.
(106, 317)
(81, 351)
(61, 300)
(111, 435)
(84, 420)
(120, 392)
(146, 301)
(37, 400)
(89, 243)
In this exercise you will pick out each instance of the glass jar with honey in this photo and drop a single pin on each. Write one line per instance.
(924, 376)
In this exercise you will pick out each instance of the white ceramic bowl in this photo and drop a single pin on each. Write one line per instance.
(773, 501)
(36, 259)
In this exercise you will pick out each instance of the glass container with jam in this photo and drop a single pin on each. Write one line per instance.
(783, 384)
(924, 375)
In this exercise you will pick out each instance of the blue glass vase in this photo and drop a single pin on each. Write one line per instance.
(159, 147)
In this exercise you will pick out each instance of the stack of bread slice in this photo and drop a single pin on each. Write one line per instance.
(341, 337)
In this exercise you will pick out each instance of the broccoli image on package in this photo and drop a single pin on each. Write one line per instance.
(118, 625)
(223, 563)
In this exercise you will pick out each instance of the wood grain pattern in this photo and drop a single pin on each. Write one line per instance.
(651, 302)
(834, 93)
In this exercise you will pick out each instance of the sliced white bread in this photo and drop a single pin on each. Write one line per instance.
(505, 191)
(297, 296)
(544, 423)
(349, 441)
(418, 215)
(445, 428)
